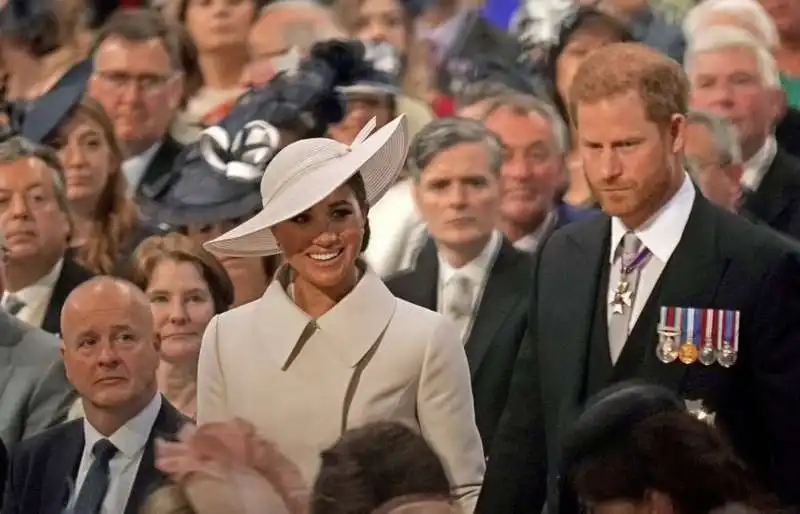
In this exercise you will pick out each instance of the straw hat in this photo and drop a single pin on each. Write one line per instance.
(304, 173)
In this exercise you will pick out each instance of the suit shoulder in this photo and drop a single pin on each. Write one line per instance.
(74, 272)
(395, 281)
(40, 347)
(743, 238)
(43, 442)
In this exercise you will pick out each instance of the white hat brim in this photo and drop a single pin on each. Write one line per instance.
(379, 159)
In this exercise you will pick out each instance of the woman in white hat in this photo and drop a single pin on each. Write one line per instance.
(328, 347)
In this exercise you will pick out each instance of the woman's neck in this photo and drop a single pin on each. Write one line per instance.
(223, 69)
(178, 384)
(316, 301)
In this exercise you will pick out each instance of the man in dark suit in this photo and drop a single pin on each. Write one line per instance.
(35, 218)
(535, 142)
(455, 167)
(734, 77)
(596, 302)
(111, 352)
(138, 77)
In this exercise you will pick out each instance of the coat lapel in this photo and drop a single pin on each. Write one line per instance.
(577, 301)
(772, 197)
(690, 279)
(167, 425)
(497, 301)
(422, 282)
(62, 469)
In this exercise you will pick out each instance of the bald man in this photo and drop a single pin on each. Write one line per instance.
(282, 27)
(111, 352)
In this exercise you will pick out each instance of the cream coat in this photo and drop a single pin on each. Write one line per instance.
(372, 357)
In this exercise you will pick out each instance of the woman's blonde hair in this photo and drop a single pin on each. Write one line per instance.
(116, 216)
(418, 74)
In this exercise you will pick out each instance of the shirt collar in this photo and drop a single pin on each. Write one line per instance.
(757, 166)
(662, 232)
(134, 167)
(42, 288)
(529, 243)
(131, 437)
(370, 302)
(477, 268)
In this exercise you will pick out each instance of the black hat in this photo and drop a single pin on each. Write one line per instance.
(520, 76)
(47, 112)
(611, 415)
(382, 75)
(218, 178)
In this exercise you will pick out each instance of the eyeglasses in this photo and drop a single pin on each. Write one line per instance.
(147, 82)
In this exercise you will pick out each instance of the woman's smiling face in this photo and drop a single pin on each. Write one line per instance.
(322, 243)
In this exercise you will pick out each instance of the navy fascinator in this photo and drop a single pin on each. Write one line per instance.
(217, 179)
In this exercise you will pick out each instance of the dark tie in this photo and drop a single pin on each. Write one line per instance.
(93, 490)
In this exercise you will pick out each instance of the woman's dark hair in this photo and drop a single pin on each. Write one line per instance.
(180, 248)
(373, 464)
(672, 452)
(584, 19)
(356, 183)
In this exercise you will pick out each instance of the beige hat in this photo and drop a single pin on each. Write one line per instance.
(304, 173)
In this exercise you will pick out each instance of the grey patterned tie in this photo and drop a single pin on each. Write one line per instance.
(13, 304)
(94, 488)
(620, 321)
(457, 298)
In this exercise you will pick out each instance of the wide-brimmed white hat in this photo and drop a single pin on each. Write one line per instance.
(304, 173)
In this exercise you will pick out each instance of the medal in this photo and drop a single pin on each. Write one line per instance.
(668, 345)
(622, 296)
(688, 352)
(728, 351)
(707, 354)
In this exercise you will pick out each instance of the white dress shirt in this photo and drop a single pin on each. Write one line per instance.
(135, 167)
(757, 166)
(661, 234)
(476, 271)
(130, 440)
(37, 296)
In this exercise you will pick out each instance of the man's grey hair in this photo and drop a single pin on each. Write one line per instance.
(18, 147)
(445, 133)
(750, 10)
(722, 38)
(724, 135)
(526, 105)
(480, 91)
(305, 33)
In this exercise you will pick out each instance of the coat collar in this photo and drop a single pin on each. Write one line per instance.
(353, 325)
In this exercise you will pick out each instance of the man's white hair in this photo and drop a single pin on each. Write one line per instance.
(303, 34)
(749, 10)
(722, 38)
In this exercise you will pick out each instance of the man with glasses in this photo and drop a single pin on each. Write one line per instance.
(714, 158)
(138, 77)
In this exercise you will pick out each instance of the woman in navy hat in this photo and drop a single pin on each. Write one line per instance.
(107, 222)
(638, 449)
(42, 41)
